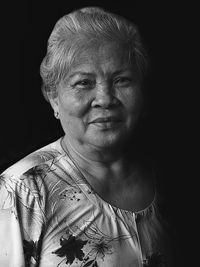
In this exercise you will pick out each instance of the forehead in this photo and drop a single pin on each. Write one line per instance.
(104, 58)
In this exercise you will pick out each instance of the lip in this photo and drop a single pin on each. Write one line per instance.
(106, 119)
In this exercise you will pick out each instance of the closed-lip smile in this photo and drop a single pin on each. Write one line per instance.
(106, 119)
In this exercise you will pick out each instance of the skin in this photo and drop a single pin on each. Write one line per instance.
(102, 83)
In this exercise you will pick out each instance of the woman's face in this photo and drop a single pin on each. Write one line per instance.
(100, 100)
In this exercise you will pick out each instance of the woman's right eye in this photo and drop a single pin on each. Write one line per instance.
(84, 84)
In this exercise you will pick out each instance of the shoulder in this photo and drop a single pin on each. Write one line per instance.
(34, 159)
(12, 180)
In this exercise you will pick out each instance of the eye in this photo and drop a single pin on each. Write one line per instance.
(84, 84)
(122, 81)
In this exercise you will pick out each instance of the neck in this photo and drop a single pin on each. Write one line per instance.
(94, 154)
(99, 162)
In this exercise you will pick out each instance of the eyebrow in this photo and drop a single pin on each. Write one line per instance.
(80, 73)
(93, 74)
(120, 71)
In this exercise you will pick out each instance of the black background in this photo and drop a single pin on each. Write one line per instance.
(27, 121)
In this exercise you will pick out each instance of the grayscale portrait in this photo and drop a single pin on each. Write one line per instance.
(91, 196)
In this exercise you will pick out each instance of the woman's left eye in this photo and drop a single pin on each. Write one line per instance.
(123, 81)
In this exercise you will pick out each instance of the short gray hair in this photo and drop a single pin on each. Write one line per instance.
(72, 31)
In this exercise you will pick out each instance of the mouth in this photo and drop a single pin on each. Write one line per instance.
(106, 122)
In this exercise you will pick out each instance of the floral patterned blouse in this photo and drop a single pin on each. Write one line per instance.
(51, 217)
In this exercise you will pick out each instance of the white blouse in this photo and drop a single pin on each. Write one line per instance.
(50, 217)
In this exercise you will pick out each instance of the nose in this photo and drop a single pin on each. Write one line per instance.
(104, 96)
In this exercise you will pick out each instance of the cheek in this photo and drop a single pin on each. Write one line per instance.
(132, 101)
(74, 106)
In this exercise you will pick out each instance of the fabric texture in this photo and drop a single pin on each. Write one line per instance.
(50, 216)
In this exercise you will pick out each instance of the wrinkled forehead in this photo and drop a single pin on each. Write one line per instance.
(109, 55)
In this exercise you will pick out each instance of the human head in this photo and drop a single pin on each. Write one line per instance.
(74, 32)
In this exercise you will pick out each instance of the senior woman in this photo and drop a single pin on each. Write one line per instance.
(87, 199)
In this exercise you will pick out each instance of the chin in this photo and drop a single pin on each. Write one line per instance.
(106, 141)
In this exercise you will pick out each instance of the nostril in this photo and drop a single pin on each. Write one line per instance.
(105, 102)
(104, 96)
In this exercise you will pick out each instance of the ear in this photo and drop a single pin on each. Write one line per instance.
(53, 100)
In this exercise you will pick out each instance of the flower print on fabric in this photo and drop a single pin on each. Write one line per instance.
(71, 193)
(101, 249)
(60, 221)
(99, 244)
(71, 249)
(88, 247)
(98, 251)
(16, 182)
